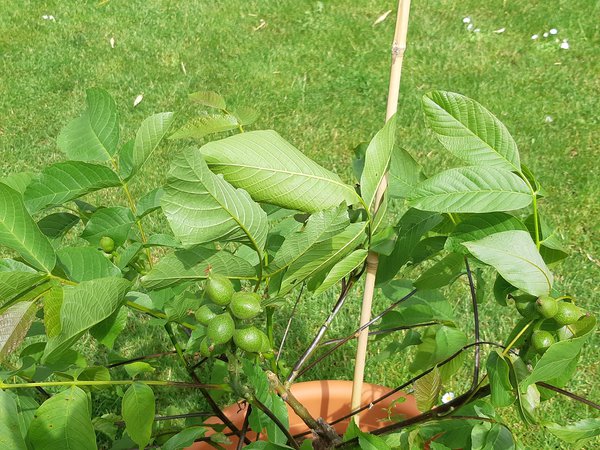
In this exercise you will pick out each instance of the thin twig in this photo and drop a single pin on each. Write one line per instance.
(289, 324)
(475, 381)
(384, 331)
(121, 423)
(317, 339)
(569, 394)
(244, 429)
(256, 402)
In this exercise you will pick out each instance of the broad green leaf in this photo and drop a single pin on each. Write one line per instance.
(147, 138)
(208, 98)
(471, 189)
(273, 171)
(491, 436)
(85, 263)
(552, 248)
(184, 439)
(245, 116)
(193, 264)
(502, 289)
(427, 248)
(83, 306)
(514, 255)
(66, 181)
(405, 174)
(137, 367)
(470, 132)
(14, 325)
(10, 432)
(107, 331)
(437, 345)
(371, 442)
(128, 254)
(411, 226)
(14, 284)
(19, 232)
(377, 160)
(149, 202)
(56, 225)
(319, 227)
(498, 370)
(63, 422)
(478, 226)
(342, 269)
(202, 207)
(323, 256)
(114, 222)
(26, 407)
(138, 413)
(576, 433)
(206, 124)
(52, 304)
(19, 181)
(95, 135)
(442, 273)
(427, 390)
(558, 357)
(165, 240)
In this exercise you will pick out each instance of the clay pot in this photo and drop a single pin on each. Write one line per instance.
(330, 399)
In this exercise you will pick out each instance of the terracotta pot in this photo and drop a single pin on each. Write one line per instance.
(330, 399)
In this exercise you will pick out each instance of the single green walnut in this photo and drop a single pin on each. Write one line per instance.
(208, 312)
(107, 244)
(266, 344)
(245, 305)
(541, 341)
(567, 313)
(526, 306)
(546, 306)
(219, 289)
(248, 339)
(220, 329)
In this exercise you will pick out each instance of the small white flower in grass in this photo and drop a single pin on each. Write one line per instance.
(476, 30)
(470, 27)
(564, 44)
(548, 119)
(447, 397)
(500, 30)
(48, 17)
(138, 100)
(467, 20)
(553, 31)
(545, 35)
(535, 36)
(112, 42)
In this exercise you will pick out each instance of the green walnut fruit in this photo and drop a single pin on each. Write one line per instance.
(248, 339)
(567, 313)
(526, 306)
(245, 305)
(208, 312)
(107, 244)
(219, 289)
(220, 329)
(541, 341)
(266, 344)
(546, 306)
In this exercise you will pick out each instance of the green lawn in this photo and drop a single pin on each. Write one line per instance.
(317, 72)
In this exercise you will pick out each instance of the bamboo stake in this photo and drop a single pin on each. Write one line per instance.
(398, 47)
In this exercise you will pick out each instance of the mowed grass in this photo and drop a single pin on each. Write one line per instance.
(317, 72)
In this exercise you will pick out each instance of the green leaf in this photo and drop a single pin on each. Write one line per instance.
(107, 331)
(52, 304)
(471, 189)
(208, 98)
(502, 289)
(498, 370)
(193, 264)
(14, 284)
(491, 436)
(551, 246)
(149, 202)
(137, 367)
(66, 181)
(371, 442)
(245, 116)
(514, 255)
(147, 139)
(271, 170)
(576, 433)
(323, 256)
(437, 345)
(442, 273)
(342, 269)
(114, 222)
(201, 207)
(377, 160)
(19, 232)
(405, 174)
(63, 422)
(85, 263)
(206, 124)
(138, 413)
(421, 307)
(427, 390)
(185, 438)
(14, 325)
(85, 305)
(478, 226)
(95, 135)
(470, 132)
(19, 181)
(26, 407)
(56, 225)
(558, 357)
(10, 432)
(427, 248)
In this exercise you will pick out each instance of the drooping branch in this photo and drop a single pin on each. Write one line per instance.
(475, 381)
(289, 324)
